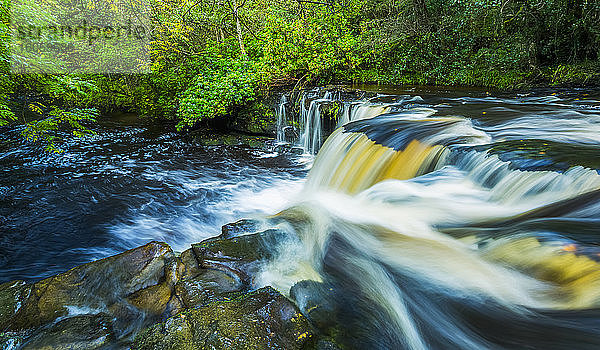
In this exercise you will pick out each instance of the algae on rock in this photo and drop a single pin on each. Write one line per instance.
(263, 319)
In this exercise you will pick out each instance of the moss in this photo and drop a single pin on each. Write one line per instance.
(263, 319)
(240, 256)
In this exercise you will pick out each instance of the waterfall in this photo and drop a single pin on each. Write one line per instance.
(311, 136)
(281, 114)
(310, 116)
(418, 237)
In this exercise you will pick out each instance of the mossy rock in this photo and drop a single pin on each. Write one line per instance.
(208, 286)
(204, 291)
(263, 319)
(191, 268)
(240, 227)
(74, 333)
(12, 296)
(94, 285)
(127, 289)
(241, 257)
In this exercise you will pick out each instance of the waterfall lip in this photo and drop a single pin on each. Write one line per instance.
(312, 128)
(396, 131)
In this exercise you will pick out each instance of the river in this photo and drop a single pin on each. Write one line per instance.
(130, 184)
(430, 218)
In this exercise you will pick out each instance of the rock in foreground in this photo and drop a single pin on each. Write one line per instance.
(263, 319)
(201, 299)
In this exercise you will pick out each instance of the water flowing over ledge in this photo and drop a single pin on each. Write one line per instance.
(427, 221)
(434, 232)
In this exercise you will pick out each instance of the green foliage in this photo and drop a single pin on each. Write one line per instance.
(219, 58)
(216, 92)
(315, 47)
(45, 130)
(6, 115)
(6, 84)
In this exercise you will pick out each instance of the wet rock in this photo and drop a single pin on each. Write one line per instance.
(199, 286)
(189, 264)
(79, 332)
(263, 319)
(207, 287)
(152, 299)
(241, 257)
(95, 286)
(204, 293)
(291, 133)
(240, 227)
(316, 300)
(12, 296)
(330, 112)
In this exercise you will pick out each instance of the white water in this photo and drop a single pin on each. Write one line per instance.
(309, 117)
(367, 232)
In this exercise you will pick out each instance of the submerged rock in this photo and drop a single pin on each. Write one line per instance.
(263, 319)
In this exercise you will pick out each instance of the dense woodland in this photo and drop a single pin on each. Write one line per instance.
(212, 58)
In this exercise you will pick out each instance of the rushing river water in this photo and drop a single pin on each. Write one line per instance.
(443, 220)
(129, 184)
(430, 218)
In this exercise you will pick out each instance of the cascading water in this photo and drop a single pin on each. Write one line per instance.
(413, 231)
(429, 220)
(311, 117)
(281, 113)
(340, 109)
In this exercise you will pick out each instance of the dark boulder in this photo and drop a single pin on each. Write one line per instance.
(316, 300)
(240, 227)
(205, 295)
(108, 298)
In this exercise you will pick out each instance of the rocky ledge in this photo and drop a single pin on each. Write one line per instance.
(151, 298)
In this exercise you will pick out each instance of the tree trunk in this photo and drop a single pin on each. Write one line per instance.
(238, 27)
